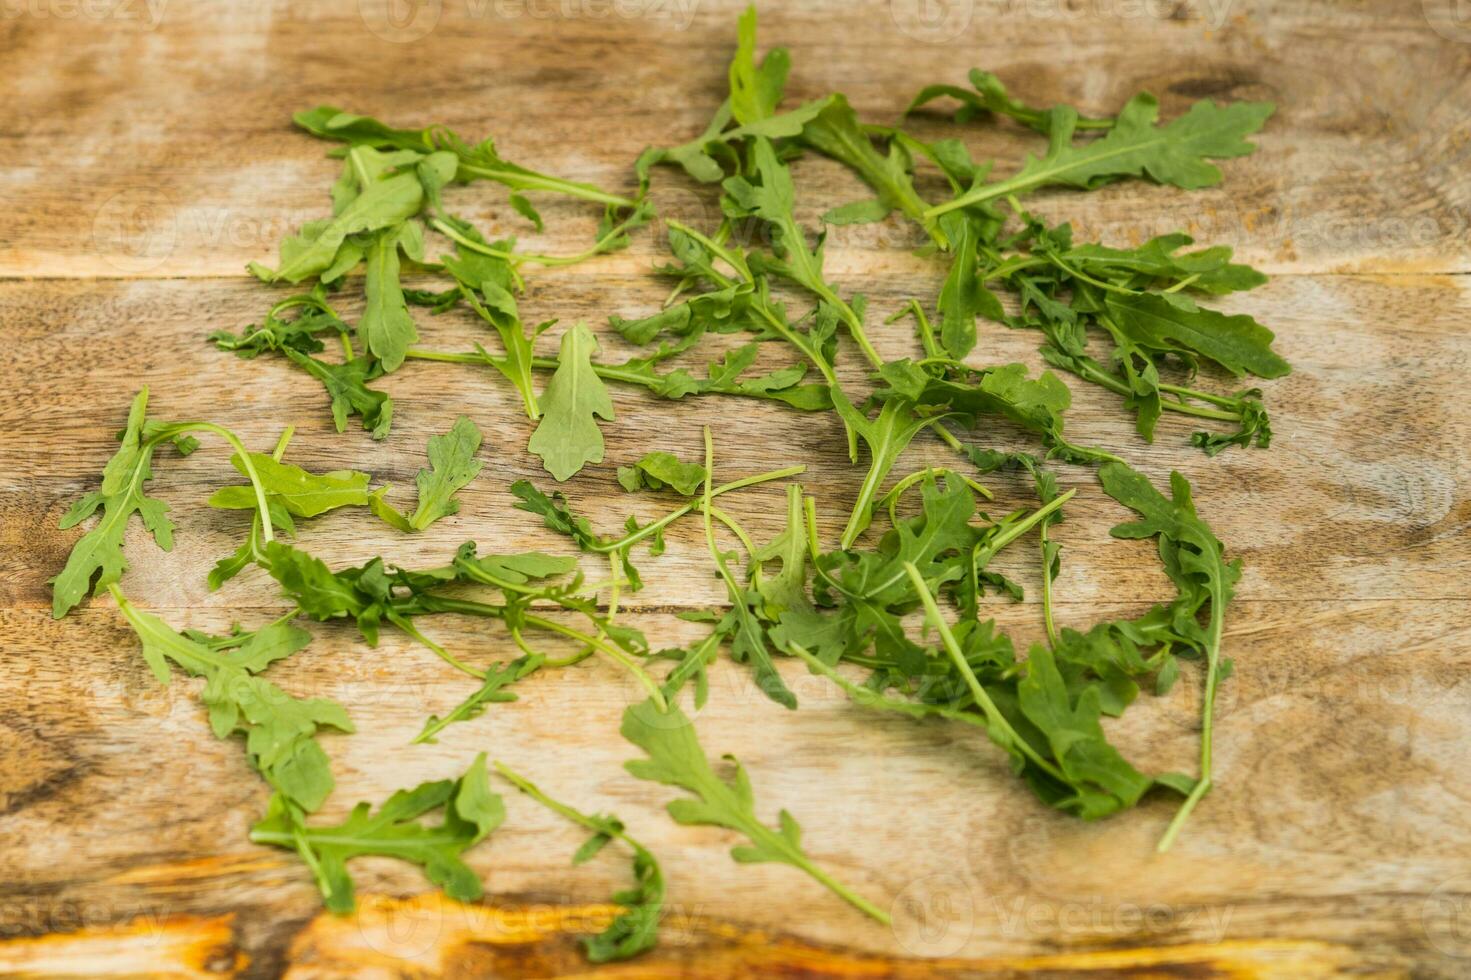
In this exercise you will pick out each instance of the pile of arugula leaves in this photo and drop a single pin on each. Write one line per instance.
(891, 614)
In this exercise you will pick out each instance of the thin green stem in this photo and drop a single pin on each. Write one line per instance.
(996, 719)
(522, 180)
(611, 651)
(405, 624)
(1006, 536)
(1047, 588)
(1207, 723)
(530, 789)
(178, 428)
(674, 515)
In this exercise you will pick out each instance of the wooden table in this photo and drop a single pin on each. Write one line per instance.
(147, 156)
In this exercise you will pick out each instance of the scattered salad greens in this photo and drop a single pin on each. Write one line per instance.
(891, 615)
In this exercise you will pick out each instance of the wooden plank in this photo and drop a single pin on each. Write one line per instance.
(173, 172)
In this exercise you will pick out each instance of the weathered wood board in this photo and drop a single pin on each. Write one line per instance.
(145, 156)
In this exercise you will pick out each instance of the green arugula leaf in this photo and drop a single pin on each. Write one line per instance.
(471, 812)
(347, 385)
(567, 437)
(1193, 557)
(755, 92)
(991, 98)
(658, 470)
(452, 465)
(485, 283)
(386, 328)
(886, 436)
(675, 758)
(963, 297)
(477, 162)
(382, 204)
(299, 493)
(1171, 322)
(1175, 153)
(836, 132)
(279, 729)
(96, 560)
(636, 929)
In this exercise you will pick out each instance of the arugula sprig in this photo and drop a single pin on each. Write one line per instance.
(471, 812)
(636, 929)
(1139, 298)
(479, 161)
(96, 561)
(1193, 558)
(990, 98)
(452, 465)
(279, 730)
(1135, 146)
(675, 758)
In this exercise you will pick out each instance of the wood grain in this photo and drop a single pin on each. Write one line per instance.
(145, 161)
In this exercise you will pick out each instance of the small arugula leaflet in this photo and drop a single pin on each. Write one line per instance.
(452, 465)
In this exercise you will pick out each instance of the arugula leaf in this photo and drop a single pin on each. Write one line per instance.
(452, 465)
(787, 590)
(658, 470)
(1158, 263)
(1175, 153)
(886, 437)
(485, 282)
(755, 92)
(567, 437)
(279, 729)
(836, 132)
(471, 812)
(991, 98)
(347, 385)
(491, 692)
(386, 328)
(276, 334)
(963, 297)
(382, 204)
(636, 929)
(480, 161)
(1193, 557)
(675, 758)
(98, 554)
(1171, 322)
(299, 493)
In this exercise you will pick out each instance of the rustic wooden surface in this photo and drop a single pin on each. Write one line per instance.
(147, 156)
